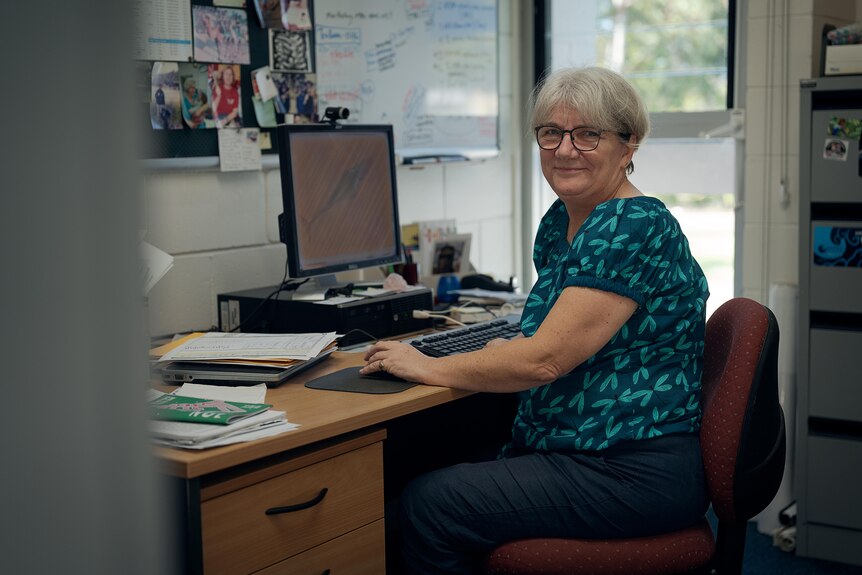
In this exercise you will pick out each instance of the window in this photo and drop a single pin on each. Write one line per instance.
(678, 54)
(675, 52)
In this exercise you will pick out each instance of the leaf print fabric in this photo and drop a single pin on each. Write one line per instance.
(645, 381)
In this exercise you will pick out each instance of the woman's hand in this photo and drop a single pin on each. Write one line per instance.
(400, 359)
(230, 119)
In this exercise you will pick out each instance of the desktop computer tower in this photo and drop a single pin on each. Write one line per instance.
(380, 317)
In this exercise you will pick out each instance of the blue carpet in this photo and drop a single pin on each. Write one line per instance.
(763, 558)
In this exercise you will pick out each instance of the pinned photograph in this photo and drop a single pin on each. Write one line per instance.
(295, 15)
(451, 254)
(220, 35)
(289, 51)
(165, 97)
(836, 150)
(264, 113)
(197, 102)
(225, 89)
(268, 13)
(263, 98)
(306, 101)
(261, 82)
(297, 97)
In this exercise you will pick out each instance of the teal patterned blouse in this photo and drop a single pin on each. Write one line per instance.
(645, 381)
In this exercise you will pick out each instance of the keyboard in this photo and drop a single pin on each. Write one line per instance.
(470, 338)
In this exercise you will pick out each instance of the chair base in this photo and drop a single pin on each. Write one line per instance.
(684, 551)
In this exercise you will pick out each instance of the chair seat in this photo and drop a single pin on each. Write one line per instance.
(677, 552)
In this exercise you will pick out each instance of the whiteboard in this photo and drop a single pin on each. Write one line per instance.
(428, 67)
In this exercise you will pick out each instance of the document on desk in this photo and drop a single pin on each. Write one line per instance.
(203, 435)
(248, 394)
(250, 346)
(377, 292)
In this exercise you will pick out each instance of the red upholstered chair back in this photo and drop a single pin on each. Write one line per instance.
(743, 442)
(742, 433)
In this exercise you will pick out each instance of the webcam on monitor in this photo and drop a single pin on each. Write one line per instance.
(335, 113)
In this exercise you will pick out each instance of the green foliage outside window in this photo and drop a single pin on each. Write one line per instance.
(673, 51)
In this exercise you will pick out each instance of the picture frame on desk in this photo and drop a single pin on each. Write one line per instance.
(451, 255)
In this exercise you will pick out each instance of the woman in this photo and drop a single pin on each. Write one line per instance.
(306, 102)
(604, 443)
(226, 100)
(196, 109)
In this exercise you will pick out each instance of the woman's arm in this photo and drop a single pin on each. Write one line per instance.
(216, 96)
(581, 322)
(200, 110)
(233, 114)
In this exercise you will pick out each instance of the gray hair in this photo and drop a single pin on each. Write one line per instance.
(602, 97)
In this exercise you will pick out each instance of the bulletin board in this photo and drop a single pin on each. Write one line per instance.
(189, 143)
(428, 67)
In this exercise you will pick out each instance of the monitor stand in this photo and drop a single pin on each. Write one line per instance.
(317, 287)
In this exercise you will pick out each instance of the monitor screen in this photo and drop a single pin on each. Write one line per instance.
(340, 197)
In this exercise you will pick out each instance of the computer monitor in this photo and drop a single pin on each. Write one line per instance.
(340, 198)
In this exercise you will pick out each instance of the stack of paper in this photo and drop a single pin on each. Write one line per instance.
(227, 415)
(272, 349)
(490, 297)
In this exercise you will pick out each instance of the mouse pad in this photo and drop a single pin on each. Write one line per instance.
(348, 379)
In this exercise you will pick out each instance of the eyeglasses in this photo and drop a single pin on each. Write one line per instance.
(584, 139)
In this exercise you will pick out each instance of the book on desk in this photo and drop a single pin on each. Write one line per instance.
(203, 422)
(170, 407)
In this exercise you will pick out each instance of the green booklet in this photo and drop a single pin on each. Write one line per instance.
(195, 410)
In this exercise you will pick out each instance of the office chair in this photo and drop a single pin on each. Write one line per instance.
(743, 442)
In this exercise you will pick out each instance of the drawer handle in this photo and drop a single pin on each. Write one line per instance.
(299, 506)
(325, 572)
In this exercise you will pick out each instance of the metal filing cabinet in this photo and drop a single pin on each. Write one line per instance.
(828, 468)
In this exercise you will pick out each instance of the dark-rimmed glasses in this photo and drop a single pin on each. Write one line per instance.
(584, 139)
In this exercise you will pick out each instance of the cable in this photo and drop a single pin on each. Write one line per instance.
(283, 285)
(422, 314)
(373, 338)
(508, 308)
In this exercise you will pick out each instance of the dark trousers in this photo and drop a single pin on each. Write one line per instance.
(451, 518)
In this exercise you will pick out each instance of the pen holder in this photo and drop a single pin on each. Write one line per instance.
(409, 271)
(445, 286)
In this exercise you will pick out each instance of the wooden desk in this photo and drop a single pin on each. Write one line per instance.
(224, 492)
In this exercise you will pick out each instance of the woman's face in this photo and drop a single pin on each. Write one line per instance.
(584, 176)
(227, 76)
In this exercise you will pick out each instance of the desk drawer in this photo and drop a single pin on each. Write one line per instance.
(835, 388)
(238, 536)
(360, 552)
(833, 472)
